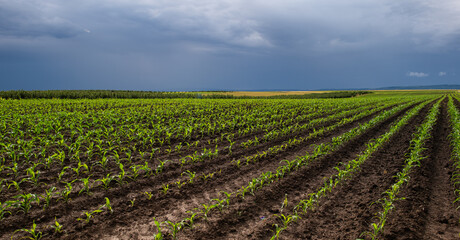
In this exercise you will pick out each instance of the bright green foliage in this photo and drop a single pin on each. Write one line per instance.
(422, 134)
(34, 234)
(352, 166)
(92, 144)
(454, 116)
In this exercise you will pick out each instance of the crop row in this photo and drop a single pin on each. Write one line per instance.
(48, 158)
(344, 172)
(423, 133)
(287, 168)
(123, 164)
(454, 116)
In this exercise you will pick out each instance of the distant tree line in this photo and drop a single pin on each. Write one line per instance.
(97, 94)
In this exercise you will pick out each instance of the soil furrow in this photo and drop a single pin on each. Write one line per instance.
(349, 209)
(195, 194)
(428, 211)
(173, 168)
(119, 196)
(233, 224)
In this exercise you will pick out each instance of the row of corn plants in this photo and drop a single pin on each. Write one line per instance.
(454, 116)
(105, 180)
(423, 133)
(344, 172)
(284, 170)
(315, 133)
(64, 195)
(91, 149)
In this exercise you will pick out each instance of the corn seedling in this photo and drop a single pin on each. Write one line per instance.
(33, 232)
(57, 226)
(149, 195)
(65, 193)
(106, 181)
(24, 202)
(160, 166)
(285, 202)
(191, 220)
(205, 210)
(107, 205)
(164, 188)
(47, 196)
(220, 204)
(86, 185)
(190, 174)
(179, 184)
(89, 215)
(174, 227)
(4, 209)
(159, 234)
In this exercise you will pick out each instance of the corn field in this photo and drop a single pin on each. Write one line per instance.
(365, 167)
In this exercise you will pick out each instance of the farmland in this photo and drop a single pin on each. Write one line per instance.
(378, 166)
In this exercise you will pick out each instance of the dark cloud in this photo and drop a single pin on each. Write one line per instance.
(26, 19)
(228, 44)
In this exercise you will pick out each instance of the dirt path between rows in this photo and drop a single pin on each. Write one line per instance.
(120, 196)
(245, 219)
(349, 210)
(428, 212)
(174, 207)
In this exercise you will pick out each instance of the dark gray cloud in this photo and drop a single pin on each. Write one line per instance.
(228, 44)
(34, 19)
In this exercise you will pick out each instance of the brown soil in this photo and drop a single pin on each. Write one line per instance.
(427, 212)
(349, 209)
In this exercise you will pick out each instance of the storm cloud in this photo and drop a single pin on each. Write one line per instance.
(206, 45)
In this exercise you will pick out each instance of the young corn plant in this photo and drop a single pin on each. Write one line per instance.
(227, 197)
(107, 205)
(179, 184)
(122, 175)
(4, 209)
(63, 171)
(65, 193)
(205, 211)
(190, 174)
(89, 215)
(47, 196)
(277, 231)
(33, 175)
(135, 171)
(86, 185)
(190, 221)
(149, 195)
(160, 166)
(57, 226)
(220, 204)
(15, 184)
(164, 188)
(24, 202)
(147, 170)
(285, 203)
(34, 234)
(105, 182)
(174, 227)
(159, 234)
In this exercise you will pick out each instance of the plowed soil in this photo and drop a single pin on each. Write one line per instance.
(426, 212)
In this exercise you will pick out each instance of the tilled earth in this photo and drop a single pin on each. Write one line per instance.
(427, 210)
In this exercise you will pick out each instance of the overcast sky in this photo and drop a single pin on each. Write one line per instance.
(227, 44)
